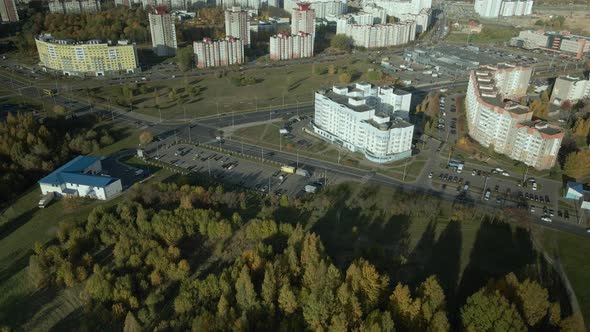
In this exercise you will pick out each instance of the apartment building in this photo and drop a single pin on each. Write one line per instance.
(322, 8)
(218, 53)
(495, 8)
(398, 8)
(497, 122)
(303, 19)
(380, 35)
(237, 25)
(422, 19)
(360, 118)
(90, 58)
(163, 32)
(285, 47)
(570, 88)
(560, 42)
(74, 6)
(359, 18)
(8, 12)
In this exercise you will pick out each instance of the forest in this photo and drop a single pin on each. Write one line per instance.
(203, 258)
(30, 149)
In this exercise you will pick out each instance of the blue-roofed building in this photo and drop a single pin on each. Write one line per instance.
(579, 192)
(575, 190)
(80, 177)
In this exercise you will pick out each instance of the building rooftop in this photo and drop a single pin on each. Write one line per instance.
(344, 100)
(48, 38)
(72, 172)
(543, 128)
(391, 124)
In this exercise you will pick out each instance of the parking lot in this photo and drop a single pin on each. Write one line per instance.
(234, 170)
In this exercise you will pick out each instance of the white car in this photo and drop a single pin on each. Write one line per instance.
(534, 185)
(505, 173)
(430, 175)
(473, 173)
(546, 219)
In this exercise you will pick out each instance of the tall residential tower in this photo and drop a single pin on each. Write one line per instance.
(163, 32)
(8, 11)
(303, 19)
(237, 25)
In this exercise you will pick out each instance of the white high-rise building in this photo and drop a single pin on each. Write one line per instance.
(237, 25)
(495, 121)
(322, 8)
(422, 19)
(286, 47)
(360, 18)
(360, 117)
(303, 19)
(380, 35)
(495, 8)
(398, 8)
(571, 89)
(163, 32)
(74, 6)
(219, 53)
(8, 12)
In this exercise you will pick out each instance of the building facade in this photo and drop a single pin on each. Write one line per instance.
(495, 8)
(360, 118)
(497, 122)
(74, 6)
(399, 8)
(218, 53)
(163, 32)
(380, 35)
(237, 25)
(562, 42)
(80, 177)
(91, 58)
(303, 19)
(8, 12)
(322, 8)
(569, 88)
(286, 47)
(422, 19)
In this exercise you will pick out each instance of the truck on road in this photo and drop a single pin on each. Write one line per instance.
(288, 169)
(46, 199)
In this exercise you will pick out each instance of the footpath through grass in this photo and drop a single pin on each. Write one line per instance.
(572, 251)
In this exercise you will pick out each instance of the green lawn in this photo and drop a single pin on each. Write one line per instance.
(489, 34)
(572, 251)
(274, 87)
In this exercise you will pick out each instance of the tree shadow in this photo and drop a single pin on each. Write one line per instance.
(445, 261)
(496, 252)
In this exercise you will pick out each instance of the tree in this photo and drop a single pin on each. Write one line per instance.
(433, 298)
(581, 128)
(38, 272)
(366, 283)
(544, 97)
(131, 324)
(344, 78)
(488, 310)
(341, 42)
(184, 58)
(587, 65)
(533, 301)
(245, 293)
(287, 300)
(577, 164)
(145, 137)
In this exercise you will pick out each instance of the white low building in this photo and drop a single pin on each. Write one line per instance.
(361, 118)
(80, 177)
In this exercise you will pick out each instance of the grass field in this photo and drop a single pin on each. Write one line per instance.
(273, 87)
(572, 251)
(488, 35)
